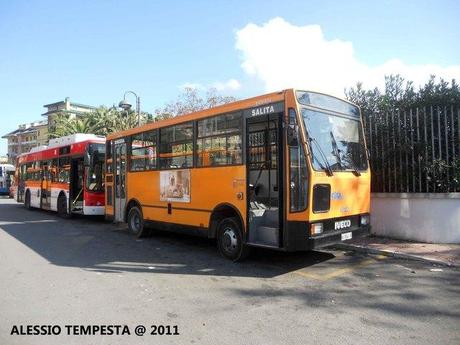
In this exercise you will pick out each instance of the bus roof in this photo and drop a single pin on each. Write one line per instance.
(74, 138)
(77, 143)
(229, 107)
(8, 167)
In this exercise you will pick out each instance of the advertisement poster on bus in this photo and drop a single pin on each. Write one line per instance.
(175, 185)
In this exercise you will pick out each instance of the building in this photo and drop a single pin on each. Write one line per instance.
(27, 135)
(65, 107)
(37, 133)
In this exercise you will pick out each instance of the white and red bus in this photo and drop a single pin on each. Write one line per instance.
(66, 176)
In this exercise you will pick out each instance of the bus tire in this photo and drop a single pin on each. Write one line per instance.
(27, 200)
(230, 240)
(62, 207)
(136, 222)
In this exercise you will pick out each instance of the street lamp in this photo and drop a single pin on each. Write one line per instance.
(124, 104)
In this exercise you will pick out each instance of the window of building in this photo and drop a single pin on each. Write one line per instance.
(176, 146)
(219, 140)
(144, 151)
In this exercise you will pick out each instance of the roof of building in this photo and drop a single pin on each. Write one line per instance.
(71, 103)
(65, 112)
(30, 129)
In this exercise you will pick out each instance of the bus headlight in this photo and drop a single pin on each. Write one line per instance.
(365, 220)
(316, 228)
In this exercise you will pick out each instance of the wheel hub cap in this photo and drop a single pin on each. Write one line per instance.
(230, 241)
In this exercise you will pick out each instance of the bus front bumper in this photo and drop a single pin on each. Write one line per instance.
(328, 239)
(298, 238)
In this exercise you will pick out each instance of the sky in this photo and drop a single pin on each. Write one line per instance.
(93, 51)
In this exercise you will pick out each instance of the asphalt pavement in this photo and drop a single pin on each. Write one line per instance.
(87, 272)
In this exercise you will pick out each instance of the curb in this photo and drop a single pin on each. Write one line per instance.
(393, 254)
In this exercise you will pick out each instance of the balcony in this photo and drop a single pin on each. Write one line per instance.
(30, 142)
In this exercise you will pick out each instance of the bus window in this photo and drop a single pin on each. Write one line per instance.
(176, 146)
(64, 170)
(95, 171)
(143, 151)
(108, 156)
(298, 170)
(219, 140)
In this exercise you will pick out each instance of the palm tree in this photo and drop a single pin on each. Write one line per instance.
(101, 121)
(65, 125)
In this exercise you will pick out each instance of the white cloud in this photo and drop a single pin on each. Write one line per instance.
(229, 85)
(283, 55)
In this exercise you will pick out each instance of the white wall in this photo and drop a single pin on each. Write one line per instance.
(425, 217)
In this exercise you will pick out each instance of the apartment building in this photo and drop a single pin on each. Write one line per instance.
(27, 135)
(65, 107)
(36, 133)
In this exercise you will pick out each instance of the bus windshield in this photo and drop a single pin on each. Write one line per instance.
(94, 174)
(339, 141)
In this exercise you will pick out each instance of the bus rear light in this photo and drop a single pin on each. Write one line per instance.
(316, 228)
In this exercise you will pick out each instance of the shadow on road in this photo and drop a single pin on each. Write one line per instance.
(391, 288)
(93, 244)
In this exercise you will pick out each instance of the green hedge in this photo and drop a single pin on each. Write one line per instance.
(413, 135)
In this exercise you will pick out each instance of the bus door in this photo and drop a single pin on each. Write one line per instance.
(264, 170)
(120, 182)
(76, 185)
(45, 193)
(20, 183)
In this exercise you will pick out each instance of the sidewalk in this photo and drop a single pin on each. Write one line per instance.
(442, 254)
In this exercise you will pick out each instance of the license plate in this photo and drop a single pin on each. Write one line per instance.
(346, 236)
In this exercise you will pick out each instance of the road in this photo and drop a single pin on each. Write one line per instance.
(89, 272)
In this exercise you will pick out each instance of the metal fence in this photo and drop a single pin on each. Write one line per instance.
(415, 150)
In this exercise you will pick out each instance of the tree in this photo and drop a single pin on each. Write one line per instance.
(413, 134)
(190, 101)
(65, 125)
(101, 121)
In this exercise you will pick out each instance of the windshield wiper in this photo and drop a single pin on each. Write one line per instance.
(353, 164)
(335, 149)
(327, 169)
(336, 153)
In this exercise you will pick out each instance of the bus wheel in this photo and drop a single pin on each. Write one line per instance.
(136, 222)
(62, 207)
(230, 240)
(27, 200)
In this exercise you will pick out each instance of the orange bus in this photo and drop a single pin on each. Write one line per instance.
(67, 176)
(286, 170)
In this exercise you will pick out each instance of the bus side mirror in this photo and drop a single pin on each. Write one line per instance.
(293, 135)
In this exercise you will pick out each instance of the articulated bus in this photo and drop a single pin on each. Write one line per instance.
(286, 170)
(66, 176)
(6, 177)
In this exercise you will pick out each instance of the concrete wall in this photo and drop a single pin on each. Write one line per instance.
(425, 217)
